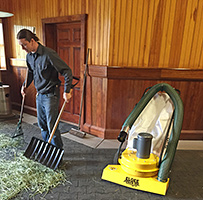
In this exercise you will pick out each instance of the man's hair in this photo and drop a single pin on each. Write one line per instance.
(27, 34)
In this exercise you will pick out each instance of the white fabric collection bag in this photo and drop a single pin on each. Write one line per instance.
(154, 119)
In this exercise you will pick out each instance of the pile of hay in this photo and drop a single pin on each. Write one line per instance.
(19, 173)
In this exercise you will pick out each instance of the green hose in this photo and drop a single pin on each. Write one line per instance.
(166, 163)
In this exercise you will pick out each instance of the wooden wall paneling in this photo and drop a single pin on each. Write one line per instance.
(188, 33)
(70, 7)
(145, 18)
(30, 100)
(32, 17)
(127, 28)
(98, 107)
(122, 27)
(157, 34)
(118, 105)
(137, 33)
(121, 102)
(191, 95)
(35, 12)
(98, 30)
(89, 21)
(181, 74)
(15, 85)
(148, 33)
(198, 36)
(17, 77)
(5, 6)
(106, 27)
(125, 89)
(201, 59)
(102, 29)
(90, 27)
(96, 101)
(92, 24)
(111, 32)
(116, 23)
(164, 33)
(128, 33)
(168, 34)
(133, 30)
(178, 30)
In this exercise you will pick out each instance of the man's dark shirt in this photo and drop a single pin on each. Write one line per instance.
(44, 66)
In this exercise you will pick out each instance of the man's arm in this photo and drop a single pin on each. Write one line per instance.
(28, 80)
(66, 72)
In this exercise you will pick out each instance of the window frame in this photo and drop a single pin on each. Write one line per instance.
(4, 53)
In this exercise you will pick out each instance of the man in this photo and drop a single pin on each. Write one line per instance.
(43, 66)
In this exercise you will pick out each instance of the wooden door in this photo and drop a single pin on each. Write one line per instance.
(68, 47)
(66, 35)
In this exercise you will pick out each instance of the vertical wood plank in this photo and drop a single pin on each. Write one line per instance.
(138, 32)
(178, 31)
(94, 31)
(198, 36)
(128, 22)
(169, 33)
(157, 35)
(117, 30)
(143, 32)
(132, 33)
(106, 36)
(200, 64)
(98, 26)
(111, 32)
(148, 35)
(164, 34)
(188, 31)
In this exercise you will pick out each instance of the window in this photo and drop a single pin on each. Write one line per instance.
(2, 50)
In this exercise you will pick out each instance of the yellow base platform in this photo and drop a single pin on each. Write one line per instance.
(115, 174)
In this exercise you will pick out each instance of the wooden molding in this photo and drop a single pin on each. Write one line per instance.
(191, 135)
(129, 73)
(69, 18)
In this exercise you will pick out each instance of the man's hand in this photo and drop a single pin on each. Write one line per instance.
(67, 96)
(23, 90)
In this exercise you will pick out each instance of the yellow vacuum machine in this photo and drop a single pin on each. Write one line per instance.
(151, 132)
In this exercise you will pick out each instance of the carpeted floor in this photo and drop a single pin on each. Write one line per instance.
(83, 166)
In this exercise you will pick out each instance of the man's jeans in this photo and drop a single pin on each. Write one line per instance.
(47, 113)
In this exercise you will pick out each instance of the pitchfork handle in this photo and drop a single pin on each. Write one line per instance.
(57, 122)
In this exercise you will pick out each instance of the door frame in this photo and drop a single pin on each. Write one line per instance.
(48, 22)
(49, 34)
